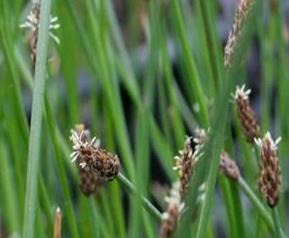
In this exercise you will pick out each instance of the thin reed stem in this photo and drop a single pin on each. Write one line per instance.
(256, 202)
(36, 122)
(277, 223)
(146, 203)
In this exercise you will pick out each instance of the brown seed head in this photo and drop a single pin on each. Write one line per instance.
(270, 174)
(173, 212)
(234, 35)
(187, 159)
(95, 164)
(229, 167)
(246, 114)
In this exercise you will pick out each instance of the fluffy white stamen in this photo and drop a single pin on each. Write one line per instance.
(241, 92)
(32, 23)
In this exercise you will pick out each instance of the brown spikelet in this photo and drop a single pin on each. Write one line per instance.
(236, 31)
(34, 36)
(95, 165)
(270, 174)
(184, 164)
(104, 164)
(229, 167)
(187, 159)
(172, 214)
(246, 114)
(32, 23)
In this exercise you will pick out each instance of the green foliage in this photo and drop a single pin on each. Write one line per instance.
(141, 98)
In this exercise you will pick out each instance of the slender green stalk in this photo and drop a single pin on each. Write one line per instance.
(277, 223)
(68, 208)
(6, 43)
(233, 224)
(256, 202)
(191, 66)
(36, 122)
(146, 203)
(7, 189)
(211, 42)
(213, 151)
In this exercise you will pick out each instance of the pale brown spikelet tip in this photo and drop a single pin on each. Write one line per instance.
(246, 114)
(270, 174)
(229, 167)
(173, 212)
(236, 31)
(95, 164)
(57, 223)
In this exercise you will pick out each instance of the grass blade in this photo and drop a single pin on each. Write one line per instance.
(36, 122)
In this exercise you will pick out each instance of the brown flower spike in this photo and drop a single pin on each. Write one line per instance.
(187, 159)
(246, 114)
(95, 164)
(240, 17)
(270, 175)
(229, 167)
(173, 212)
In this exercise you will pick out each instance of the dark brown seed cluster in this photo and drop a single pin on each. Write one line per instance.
(229, 167)
(95, 165)
(173, 212)
(89, 183)
(270, 174)
(246, 114)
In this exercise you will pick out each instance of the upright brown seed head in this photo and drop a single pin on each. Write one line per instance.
(270, 174)
(187, 159)
(95, 165)
(246, 114)
(234, 35)
(229, 167)
(172, 213)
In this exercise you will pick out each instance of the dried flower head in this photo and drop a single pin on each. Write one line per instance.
(270, 174)
(236, 31)
(173, 212)
(32, 23)
(95, 164)
(246, 114)
(187, 159)
(229, 167)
